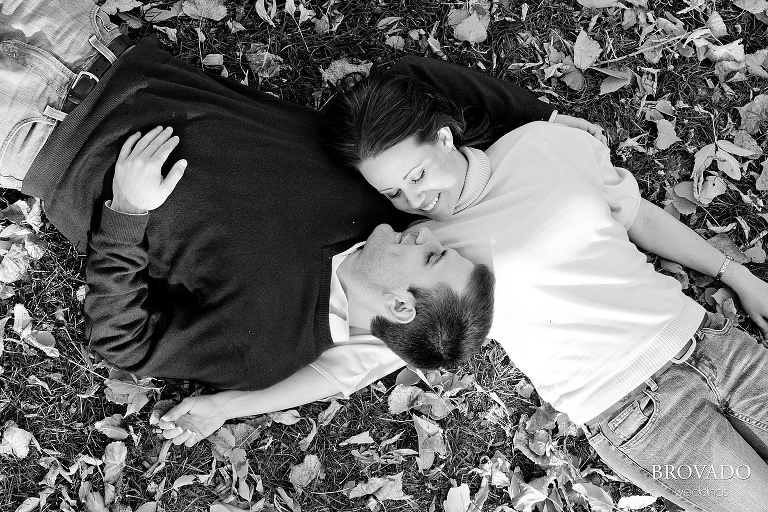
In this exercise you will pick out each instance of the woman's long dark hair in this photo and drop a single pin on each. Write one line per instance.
(381, 112)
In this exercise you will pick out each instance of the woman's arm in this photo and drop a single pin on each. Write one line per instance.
(197, 417)
(658, 232)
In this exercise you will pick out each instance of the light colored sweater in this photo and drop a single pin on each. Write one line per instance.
(578, 308)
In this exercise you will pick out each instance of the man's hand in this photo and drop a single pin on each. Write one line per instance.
(194, 419)
(582, 124)
(138, 185)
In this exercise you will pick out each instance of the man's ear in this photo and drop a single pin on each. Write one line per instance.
(445, 137)
(400, 308)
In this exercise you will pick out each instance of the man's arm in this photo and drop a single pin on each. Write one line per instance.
(658, 232)
(118, 319)
(505, 105)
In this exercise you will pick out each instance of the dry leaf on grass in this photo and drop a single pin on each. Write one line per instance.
(471, 30)
(303, 474)
(667, 135)
(617, 78)
(15, 441)
(325, 417)
(114, 461)
(212, 9)
(111, 427)
(290, 417)
(404, 398)
(338, 69)
(361, 438)
(384, 488)
(262, 12)
(585, 51)
(111, 7)
(753, 6)
(431, 441)
(754, 114)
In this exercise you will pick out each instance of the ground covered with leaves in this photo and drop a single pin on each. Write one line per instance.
(680, 88)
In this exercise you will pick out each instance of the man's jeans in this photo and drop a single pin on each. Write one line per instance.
(44, 44)
(701, 438)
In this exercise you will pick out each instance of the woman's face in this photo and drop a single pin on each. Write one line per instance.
(425, 179)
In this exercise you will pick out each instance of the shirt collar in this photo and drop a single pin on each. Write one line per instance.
(478, 174)
(338, 310)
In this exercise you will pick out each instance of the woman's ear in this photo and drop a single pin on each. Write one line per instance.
(400, 309)
(445, 137)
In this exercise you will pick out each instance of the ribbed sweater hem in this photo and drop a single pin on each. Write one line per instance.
(656, 353)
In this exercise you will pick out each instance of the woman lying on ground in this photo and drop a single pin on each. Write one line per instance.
(673, 398)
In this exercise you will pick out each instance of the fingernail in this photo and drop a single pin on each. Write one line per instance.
(165, 418)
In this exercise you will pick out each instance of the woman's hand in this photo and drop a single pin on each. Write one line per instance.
(195, 418)
(138, 185)
(753, 294)
(582, 124)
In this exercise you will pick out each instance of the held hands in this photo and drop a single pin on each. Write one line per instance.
(582, 124)
(138, 185)
(194, 419)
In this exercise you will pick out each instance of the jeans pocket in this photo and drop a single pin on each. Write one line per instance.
(20, 148)
(629, 423)
(716, 324)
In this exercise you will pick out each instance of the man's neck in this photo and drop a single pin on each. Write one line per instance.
(358, 317)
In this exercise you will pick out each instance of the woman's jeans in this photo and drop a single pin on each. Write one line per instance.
(44, 44)
(700, 439)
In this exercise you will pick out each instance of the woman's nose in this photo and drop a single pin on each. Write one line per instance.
(414, 198)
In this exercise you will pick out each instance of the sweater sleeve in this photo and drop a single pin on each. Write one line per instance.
(115, 307)
(504, 104)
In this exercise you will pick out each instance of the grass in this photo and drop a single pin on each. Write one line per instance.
(63, 421)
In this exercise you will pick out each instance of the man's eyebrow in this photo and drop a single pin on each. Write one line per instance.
(437, 260)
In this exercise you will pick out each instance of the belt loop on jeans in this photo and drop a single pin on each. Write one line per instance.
(691, 348)
(87, 79)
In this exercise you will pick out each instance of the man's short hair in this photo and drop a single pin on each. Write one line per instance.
(448, 328)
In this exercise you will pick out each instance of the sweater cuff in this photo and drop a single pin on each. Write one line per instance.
(123, 227)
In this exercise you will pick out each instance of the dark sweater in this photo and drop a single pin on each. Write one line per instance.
(228, 282)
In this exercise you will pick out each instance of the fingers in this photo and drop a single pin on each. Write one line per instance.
(181, 436)
(146, 139)
(127, 146)
(160, 139)
(761, 324)
(180, 410)
(165, 149)
(174, 176)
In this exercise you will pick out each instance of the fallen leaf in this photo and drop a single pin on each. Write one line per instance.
(725, 245)
(114, 461)
(94, 502)
(431, 441)
(239, 460)
(171, 33)
(212, 9)
(304, 13)
(728, 165)
(325, 417)
(290, 417)
(395, 41)
(652, 48)
(384, 488)
(572, 76)
(262, 12)
(28, 505)
(757, 63)
(111, 427)
(762, 182)
(15, 442)
(731, 51)
(21, 318)
(338, 69)
(263, 63)
(524, 388)
(734, 149)
(301, 475)
(585, 51)
(598, 4)
(617, 78)
(753, 6)
(361, 438)
(150, 506)
(112, 6)
(404, 398)
(666, 136)
(755, 254)
(290, 7)
(155, 15)
(712, 187)
(458, 499)
(389, 20)
(306, 441)
(213, 59)
(599, 500)
(235, 26)
(183, 481)
(543, 418)
(716, 25)
(471, 30)
(43, 340)
(754, 114)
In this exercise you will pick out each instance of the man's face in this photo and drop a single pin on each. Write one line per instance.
(392, 262)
